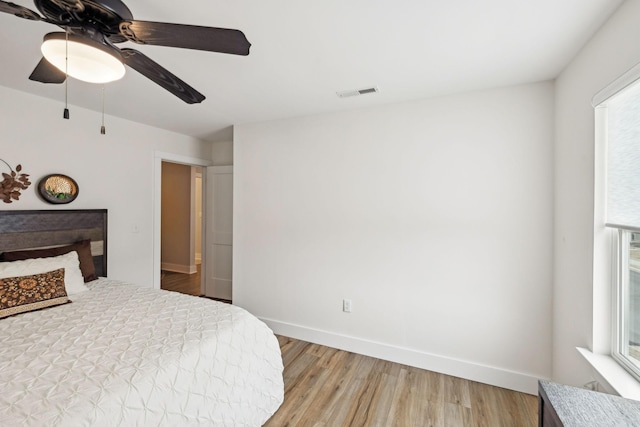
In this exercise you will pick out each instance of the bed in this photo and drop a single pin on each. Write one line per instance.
(123, 355)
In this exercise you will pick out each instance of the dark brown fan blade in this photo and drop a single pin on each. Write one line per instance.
(154, 71)
(186, 36)
(71, 6)
(47, 73)
(19, 11)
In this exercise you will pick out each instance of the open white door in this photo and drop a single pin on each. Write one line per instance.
(219, 232)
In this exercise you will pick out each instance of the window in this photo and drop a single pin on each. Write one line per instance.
(619, 123)
(627, 337)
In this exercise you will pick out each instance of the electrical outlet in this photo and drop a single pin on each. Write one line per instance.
(346, 305)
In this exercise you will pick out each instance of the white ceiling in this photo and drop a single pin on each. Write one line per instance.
(302, 53)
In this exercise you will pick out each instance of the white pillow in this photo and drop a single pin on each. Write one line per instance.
(73, 281)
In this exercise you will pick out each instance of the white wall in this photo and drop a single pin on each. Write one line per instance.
(113, 171)
(611, 52)
(177, 242)
(434, 217)
(222, 152)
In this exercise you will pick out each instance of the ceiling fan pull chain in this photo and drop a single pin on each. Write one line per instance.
(102, 128)
(66, 80)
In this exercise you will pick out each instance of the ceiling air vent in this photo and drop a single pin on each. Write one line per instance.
(349, 93)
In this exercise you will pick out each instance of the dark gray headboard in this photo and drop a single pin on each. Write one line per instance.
(21, 230)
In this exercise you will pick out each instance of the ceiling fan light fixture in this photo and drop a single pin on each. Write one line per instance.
(88, 60)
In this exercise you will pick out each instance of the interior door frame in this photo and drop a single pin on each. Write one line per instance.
(158, 158)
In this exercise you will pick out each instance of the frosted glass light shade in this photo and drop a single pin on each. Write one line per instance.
(88, 60)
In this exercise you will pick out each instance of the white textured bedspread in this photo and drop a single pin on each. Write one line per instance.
(121, 355)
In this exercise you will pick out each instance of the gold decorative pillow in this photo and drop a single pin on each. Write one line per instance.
(29, 293)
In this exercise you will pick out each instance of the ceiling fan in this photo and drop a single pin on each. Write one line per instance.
(86, 49)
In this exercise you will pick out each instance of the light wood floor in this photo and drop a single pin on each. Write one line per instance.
(325, 387)
(180, 282)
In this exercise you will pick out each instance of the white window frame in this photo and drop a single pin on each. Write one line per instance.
(618, 256)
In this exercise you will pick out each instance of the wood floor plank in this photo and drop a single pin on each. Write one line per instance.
(529, 406)
(399, 399)
(456, 391)
(457, 415)
(325, 387)
(380, 405)
(297, 370)
(419, 399)
(334, 388)
(484, 406)
(512, 409)
(433, 414)
(294, 349)
(319, 350)
(506, 406)
(343, 414)
(361, 410)
(429, 384)
(389, 368)
(308, 387)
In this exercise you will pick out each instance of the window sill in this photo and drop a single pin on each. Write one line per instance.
(615, 375)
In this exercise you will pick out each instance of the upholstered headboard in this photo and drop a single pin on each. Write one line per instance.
(20, 230)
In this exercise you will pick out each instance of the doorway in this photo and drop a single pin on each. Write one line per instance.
(159, 159)
(181, 228)
(216, 225)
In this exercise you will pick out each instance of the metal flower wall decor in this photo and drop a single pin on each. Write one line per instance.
(13, 183)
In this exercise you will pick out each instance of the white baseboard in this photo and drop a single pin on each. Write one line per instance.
(179, 268)
(504, 378)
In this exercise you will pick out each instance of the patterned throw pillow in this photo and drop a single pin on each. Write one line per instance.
(29, 293)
